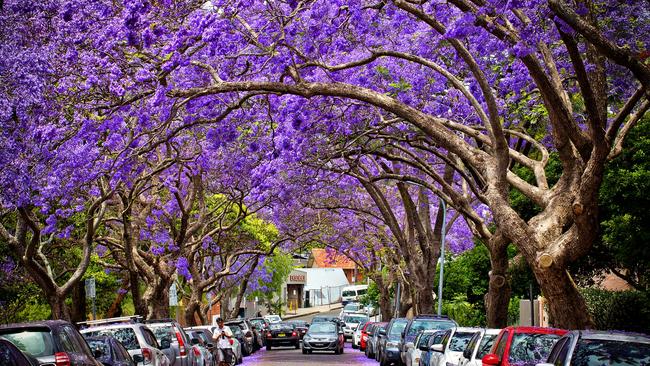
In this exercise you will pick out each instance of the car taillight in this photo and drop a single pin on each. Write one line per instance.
(61, 359)
(147, 355)
(197, 352)
(269, 335)
(293, 333)
(181, 344)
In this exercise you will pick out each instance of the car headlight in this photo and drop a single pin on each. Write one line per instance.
(392, 344)
(307, 337)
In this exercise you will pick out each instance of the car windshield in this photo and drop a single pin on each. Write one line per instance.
(596, 352)
(355, 319)
(274, 318)
(428, 324)
(126, 336)
(349, 293)
(322, 328)
(278, 326)
(37, 343)
(460, 340)
(352, 307)
(397, 328)
(531, 349)
(320, 319)
(486, 344)
(259, 322)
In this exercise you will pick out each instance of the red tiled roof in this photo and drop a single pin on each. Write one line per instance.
(322, 258)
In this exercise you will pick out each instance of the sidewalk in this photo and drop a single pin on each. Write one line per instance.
(312, 310)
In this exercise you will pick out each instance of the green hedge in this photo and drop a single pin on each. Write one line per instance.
(624, 310)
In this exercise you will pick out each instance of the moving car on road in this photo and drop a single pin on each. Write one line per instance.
(282, 334)
(353, 293)
(54, 342)
(583, 347)
(301, 327)
(324, 336)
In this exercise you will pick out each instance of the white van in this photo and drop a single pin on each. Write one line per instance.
(353, 293)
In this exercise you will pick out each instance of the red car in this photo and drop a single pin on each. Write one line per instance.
(522, 346)
(364, 336)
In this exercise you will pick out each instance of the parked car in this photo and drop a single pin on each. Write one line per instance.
(373, 336)
(10, 355)
(522, 346)
(478, 346)
(137, 338)
(451, 347)
(199, 339)
(109, 351)
(262, 326)
(420, 323)
(168, 331)
(246, 343)
(301, 327)
(353, 293)
(356, 334)
(251, 334)
(389, 342)
(413, 351)
(324, 336)
(583, 347)
(282, 334)
(426, 351)
(352, 321)
(50, 342)
(236, 346)
(363, 335)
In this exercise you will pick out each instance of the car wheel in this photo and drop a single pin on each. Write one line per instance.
(297, 345)
(268, 347)
(354, 345)
(304, 351)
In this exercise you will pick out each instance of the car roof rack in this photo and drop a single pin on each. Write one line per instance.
(117, 320)
(162, 320)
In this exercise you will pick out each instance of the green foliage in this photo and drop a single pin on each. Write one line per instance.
(626, 310)
(513, 310)
(371, 297)
(464, 313)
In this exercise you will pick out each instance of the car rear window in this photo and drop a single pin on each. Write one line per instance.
(530, 349)
(429, 324)
(323, 328)
(459, 341)
(163, 332)
(355, 319)
(486, 345)
(596, 352)
(126, 336)
(36, 343)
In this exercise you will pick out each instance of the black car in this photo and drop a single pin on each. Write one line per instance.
(301, 327)
(282, 334)
(249, 332)
(324, 336)
(10, 355)
(109, 351)
(420, 323)
(50, 342)
(245, 342)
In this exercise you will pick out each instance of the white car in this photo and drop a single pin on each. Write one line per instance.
(272, 318)
(353, 307)
(352, 321)
(356, 336)
(414, 350)
(451, 347)
(478, 346)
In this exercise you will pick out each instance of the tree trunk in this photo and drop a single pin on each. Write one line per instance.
(59, 308)
(192, 309)
(156, 296)
(497, 299)
(567, 307)
(116, 306)
(79, 311)
(425, 296)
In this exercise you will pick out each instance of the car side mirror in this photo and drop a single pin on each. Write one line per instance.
(138, 359)
(437, 347)
(195, 341)
(424, 348)
(165, 343)
(382, 332)
(491, 359)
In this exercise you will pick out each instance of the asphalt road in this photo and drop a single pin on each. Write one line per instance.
(288, 356)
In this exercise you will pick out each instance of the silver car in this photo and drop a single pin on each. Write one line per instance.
(236, 346)
(180, 352)
(137, 338)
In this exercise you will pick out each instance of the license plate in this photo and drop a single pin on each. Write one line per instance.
(282, 335)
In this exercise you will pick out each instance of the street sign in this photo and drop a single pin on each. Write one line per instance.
(173, 296)
(90, 287)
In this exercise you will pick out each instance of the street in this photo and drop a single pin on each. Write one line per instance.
(289, 356)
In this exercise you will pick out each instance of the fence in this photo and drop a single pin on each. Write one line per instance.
(323, 296)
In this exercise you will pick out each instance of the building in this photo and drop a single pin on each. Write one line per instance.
(323, 258)
(307, 287)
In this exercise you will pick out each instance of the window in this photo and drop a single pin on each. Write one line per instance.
(361, 292)
(592, 352)
(553, 356)
(396, 329)
(459, 341)
(126, 336)
(149, 338)
(428, 324)
(164, 332)
(37, 343)
(485, 346)
(501, 346)
(65, 341)
(471, 346)
(530, 349)
(424, 339)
